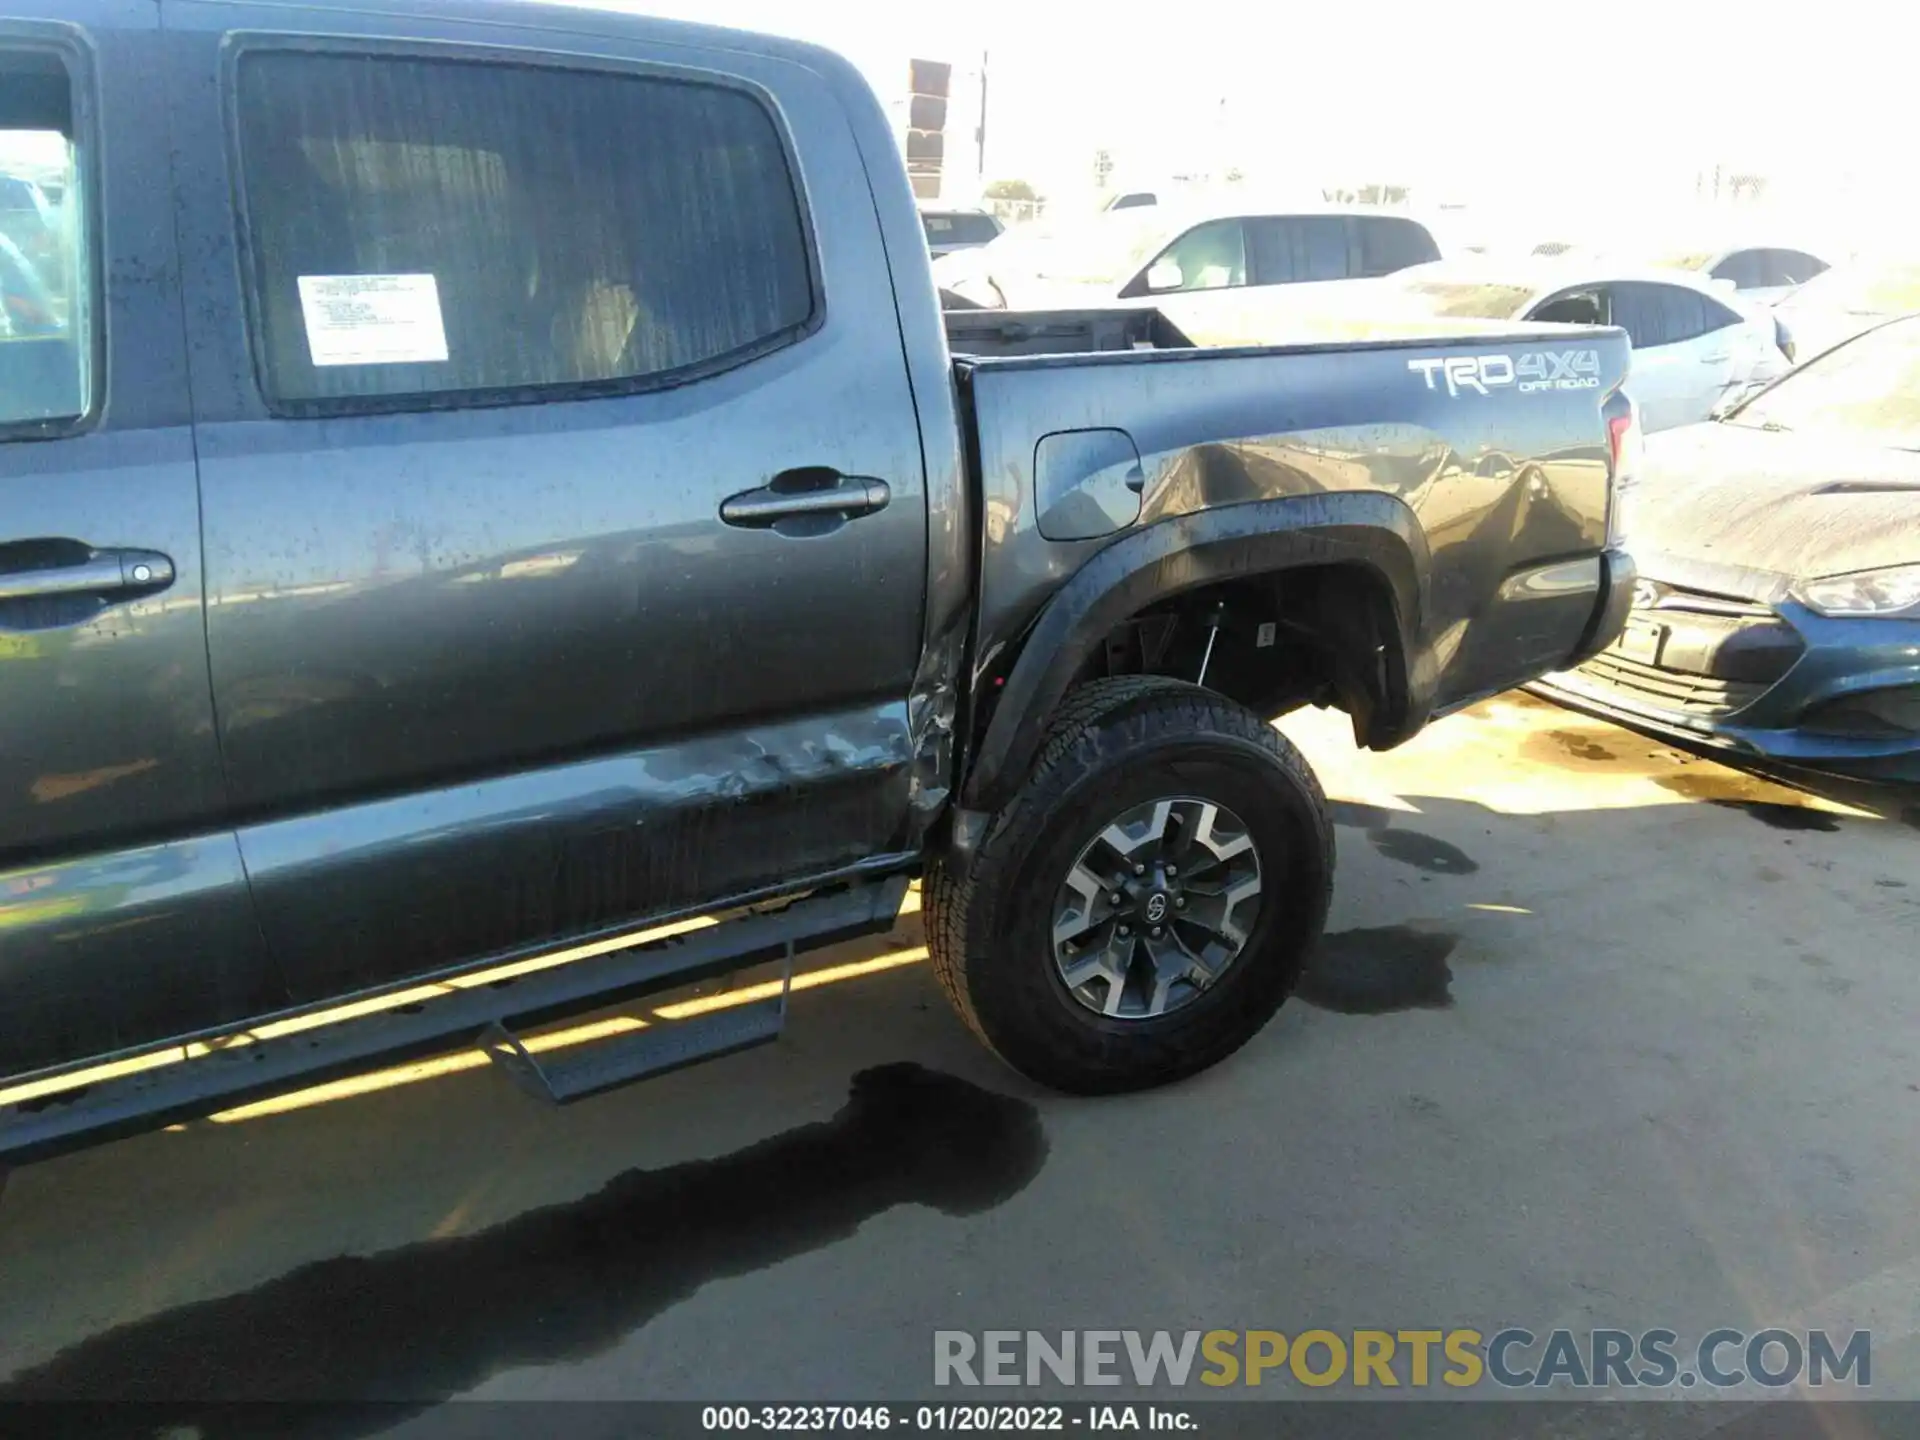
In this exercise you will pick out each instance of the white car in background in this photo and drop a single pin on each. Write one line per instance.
(1765, 274)
(1697, 346)
(952, 228)
(1193, 261)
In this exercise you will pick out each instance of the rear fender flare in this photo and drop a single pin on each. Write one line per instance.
(1186, 552)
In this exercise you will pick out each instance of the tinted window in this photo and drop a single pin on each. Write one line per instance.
(1324, 248)
(1683, 313)
(1747, 269)
(1690, 314)
(46, 315)
(1388, 244)
(1291, 248)
(1208, 257)
(1792, 267)
(1715, 316)
(1666, 314)
(1637, 310)
(430, 228)
(960, 229)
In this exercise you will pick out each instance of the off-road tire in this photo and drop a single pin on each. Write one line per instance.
(1116, 743)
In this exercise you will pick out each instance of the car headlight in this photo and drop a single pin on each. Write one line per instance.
(1867, 592)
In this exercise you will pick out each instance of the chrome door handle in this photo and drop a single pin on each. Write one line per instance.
(813, 492)
(104, 572)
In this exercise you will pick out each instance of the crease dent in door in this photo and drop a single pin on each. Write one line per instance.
(468, 871)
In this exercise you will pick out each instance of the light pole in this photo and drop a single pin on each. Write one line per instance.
(980, 131)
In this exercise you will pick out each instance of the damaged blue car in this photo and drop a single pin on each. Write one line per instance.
(1778, 611)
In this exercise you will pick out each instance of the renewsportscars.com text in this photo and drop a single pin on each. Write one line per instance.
(1459, 1358)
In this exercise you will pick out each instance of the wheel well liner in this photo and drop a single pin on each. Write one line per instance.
(1369, 529)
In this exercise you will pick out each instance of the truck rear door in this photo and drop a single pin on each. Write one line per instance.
(564, 498)
(123, 907)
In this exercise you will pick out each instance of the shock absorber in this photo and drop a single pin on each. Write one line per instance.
(1214, 617)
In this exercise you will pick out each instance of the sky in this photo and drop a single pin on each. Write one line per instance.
(1619, 102)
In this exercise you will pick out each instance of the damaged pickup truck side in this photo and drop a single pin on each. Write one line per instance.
(497, 524)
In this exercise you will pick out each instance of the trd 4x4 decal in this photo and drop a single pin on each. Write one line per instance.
(1535, 370)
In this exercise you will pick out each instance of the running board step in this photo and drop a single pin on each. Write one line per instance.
(238, 1068)
(626, 1059)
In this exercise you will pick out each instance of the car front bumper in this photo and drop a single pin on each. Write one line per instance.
(1763, 681)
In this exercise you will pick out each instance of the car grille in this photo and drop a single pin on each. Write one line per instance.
(1715, 656)
(1699, 695)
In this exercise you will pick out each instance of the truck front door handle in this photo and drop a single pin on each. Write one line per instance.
(103, 572)
(806, 493)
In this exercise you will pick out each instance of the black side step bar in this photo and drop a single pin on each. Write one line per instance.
(608, 1064)
(243, 1069)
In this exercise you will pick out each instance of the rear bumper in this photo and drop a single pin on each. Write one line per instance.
(1615, 598)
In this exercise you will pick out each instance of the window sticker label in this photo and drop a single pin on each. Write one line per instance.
(373, 319)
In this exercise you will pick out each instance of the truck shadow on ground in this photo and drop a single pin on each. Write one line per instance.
(422, 1323)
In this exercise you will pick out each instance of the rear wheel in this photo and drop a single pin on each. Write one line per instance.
(1146, 901)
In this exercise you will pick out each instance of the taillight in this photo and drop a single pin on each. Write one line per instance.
(1619, 431)
(1623, 454)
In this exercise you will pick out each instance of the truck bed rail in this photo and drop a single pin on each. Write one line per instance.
(1061, 332)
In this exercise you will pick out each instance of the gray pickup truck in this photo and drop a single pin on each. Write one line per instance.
(495, 523)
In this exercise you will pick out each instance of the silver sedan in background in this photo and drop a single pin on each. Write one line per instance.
(1697, 346)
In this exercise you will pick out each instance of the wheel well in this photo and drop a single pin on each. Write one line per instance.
(1311, 635)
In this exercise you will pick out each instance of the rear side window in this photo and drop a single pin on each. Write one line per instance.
(1682, 313)
(1715, 316)
(1286, 250)
(960, 229)
(47, 327)
(1747, 269)
(429, 231)
(1637, 310)
(1792, 267)
(1388, 244)
(1667, 314)
(1688, 314)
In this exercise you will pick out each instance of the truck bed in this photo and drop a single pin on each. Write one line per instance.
(1407, 429)
(974, 331)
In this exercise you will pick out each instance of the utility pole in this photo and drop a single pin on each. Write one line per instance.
(980, 134)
